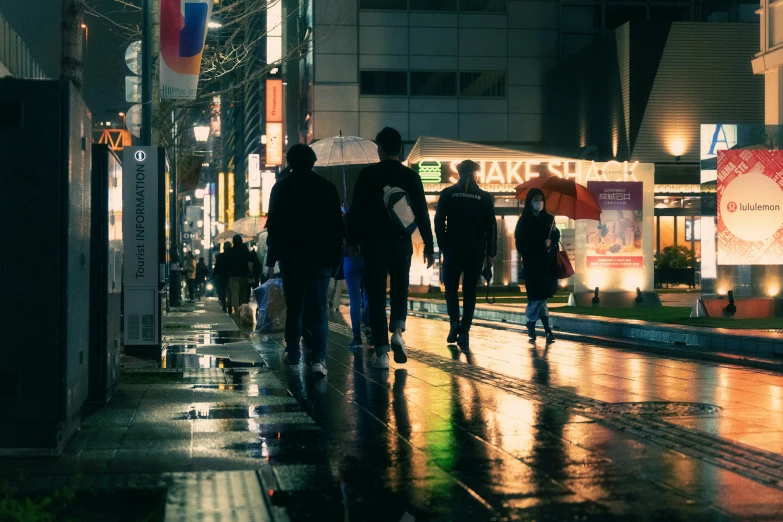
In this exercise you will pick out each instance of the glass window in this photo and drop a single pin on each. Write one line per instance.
(581, 17)
(482, 6)
(666, 231)
(383, 4)
(488, 83)
(681, 226)
(433, 5)
(383, 83)
(668, 14)
(572, 43)
(617, 15)
(433, 83)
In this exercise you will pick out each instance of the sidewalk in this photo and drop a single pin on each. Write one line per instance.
(760, 348)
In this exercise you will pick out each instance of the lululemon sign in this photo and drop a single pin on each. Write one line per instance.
(750, 207)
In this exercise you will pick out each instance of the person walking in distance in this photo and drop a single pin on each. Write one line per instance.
(388, 205)
(537, 242)
(238, 265)
(305, 235)
(467, 234)
(202, 274)
(220, 275)
(190, 273)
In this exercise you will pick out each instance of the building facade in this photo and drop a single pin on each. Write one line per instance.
(15, 58)
(642, 93)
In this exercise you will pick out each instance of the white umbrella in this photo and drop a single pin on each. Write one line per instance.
(345, 150)
(249, 226)
(228, 235)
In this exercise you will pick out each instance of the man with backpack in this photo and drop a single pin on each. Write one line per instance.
(467, 234)
(388, 205)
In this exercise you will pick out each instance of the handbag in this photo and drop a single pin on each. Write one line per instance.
(563, 268)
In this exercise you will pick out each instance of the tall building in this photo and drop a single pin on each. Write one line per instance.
(470, 70)
(15, 58)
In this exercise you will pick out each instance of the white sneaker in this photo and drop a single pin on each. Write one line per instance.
(398, 347)
(320, 369)
(381, 362)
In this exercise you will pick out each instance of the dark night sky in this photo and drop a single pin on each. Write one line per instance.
(38, 23)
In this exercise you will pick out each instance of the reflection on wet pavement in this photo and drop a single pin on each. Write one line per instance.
(506, 431)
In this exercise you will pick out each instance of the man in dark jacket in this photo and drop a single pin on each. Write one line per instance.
(387, 249)
(467, 234)
(202, 274)
(305, 227)
(220, 275)
(239, 263)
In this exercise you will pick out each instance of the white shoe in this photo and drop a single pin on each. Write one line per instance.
(398, 347)
(320, 368)
(381, 362)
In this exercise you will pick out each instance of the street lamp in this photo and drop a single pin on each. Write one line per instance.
(124, 122)
(201, 132)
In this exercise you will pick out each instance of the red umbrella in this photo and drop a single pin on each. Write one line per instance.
(564, 197)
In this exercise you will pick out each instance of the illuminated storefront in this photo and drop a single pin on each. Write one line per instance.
(501, 170)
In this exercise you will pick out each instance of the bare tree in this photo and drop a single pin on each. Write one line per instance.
(72, 57)
(230, 61)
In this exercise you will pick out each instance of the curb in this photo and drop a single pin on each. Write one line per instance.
(717, 345)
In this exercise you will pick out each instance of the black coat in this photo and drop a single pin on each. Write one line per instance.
(539, 265)
(465, 218)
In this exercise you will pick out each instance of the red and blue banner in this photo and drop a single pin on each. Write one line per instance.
(183, 31)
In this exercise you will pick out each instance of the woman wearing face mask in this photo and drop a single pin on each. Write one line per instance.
(537, 242)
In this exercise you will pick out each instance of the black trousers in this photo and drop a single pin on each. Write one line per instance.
(466, 263)
(382, 258)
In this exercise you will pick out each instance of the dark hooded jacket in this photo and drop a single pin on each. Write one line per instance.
(539, 264)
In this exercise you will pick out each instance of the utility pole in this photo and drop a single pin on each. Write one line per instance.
(146, 72)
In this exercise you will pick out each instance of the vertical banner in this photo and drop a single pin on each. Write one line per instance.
(183, 31)
(274, 122)
(141, 229)
(750, 207)
(616, 241)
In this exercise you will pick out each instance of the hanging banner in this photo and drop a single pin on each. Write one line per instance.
(183, 31)
(274, 144)
(616, 241)
(750, 207)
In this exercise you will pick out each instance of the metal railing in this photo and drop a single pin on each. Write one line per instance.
(15, 57)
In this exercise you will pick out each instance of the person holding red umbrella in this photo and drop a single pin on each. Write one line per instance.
(537, 242)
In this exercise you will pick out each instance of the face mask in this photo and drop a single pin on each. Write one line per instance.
(538, 206)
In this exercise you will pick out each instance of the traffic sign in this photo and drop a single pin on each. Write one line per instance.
(133, 120)
(133, 89)
(133, 57)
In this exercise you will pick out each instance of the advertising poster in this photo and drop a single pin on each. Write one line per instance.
(750, 207)
(616, 241)
(183, 30)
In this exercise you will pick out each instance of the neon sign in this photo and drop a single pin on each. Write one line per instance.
(514, 172)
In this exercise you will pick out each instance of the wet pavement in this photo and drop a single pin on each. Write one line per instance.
(506, 431)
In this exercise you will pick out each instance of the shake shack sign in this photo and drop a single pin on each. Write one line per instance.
(140, 216)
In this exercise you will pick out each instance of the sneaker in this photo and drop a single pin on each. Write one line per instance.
(355, 344)
(454, 332)
(319, 368)
(464, 341)
(398, 347)
(381, 362)
(291, 359)
(550, 337)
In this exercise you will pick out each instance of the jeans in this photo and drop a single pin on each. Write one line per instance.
(468, 264)
(392, 258)
(305, 298)
(191, 289)
(536, 310)
(357, 294)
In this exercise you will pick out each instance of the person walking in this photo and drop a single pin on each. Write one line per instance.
(202, 274)
(537, 240)
(353, 269)
(467, 235)
(220, 275)
(238, 266)
(190, 273)
(305, 235)
(385, 244)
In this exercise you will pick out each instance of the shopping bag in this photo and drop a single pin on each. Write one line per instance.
(245, 315)
(563, 268)
(271, 313)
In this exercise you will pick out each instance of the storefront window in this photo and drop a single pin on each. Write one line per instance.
(665, 232)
